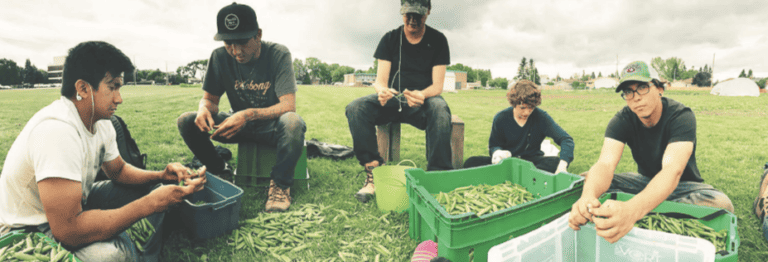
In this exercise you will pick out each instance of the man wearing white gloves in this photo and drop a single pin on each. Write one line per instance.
(519, 130)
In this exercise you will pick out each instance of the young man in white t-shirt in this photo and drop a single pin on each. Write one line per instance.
(47, 182)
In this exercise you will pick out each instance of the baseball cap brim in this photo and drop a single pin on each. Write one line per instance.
(408, 8)
(235, 36)
(633, 78)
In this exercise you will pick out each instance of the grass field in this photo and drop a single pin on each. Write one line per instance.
(732, 140)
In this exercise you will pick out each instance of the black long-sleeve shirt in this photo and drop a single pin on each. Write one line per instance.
(506, 134)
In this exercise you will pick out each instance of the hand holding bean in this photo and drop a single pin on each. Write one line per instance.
(613, 219)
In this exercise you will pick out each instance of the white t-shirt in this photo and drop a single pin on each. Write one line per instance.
(54, 143)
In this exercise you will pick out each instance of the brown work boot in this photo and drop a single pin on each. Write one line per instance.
(279, 199)
(761, 202)
(366, 193)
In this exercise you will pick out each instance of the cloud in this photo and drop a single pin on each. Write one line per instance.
(563, 37)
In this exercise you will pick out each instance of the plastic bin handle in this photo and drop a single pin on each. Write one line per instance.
(225, 205)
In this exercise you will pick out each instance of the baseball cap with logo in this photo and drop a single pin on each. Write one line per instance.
(636, 71)
(236, 21)
(414, 6)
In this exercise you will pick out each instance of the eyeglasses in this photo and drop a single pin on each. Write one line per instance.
(628, 94)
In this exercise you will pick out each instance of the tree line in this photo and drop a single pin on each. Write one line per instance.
(13, 75)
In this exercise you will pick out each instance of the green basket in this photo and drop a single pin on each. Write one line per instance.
(725, 221)
(458, 235)
(255, 162)
(390, 187)
(9, 237)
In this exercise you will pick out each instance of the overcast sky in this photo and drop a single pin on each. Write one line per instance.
(563, 37)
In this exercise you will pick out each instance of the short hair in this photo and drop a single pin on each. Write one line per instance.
(90, 61)
(524, 92)
(659, 83)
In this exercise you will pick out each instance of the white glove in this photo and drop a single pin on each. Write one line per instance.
(499, 155)
(562, 167)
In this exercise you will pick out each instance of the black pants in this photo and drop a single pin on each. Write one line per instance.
(546, 163)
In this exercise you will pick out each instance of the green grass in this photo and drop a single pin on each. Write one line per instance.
(732, 137)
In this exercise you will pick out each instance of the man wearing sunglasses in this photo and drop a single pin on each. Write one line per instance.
(661, 133)
(258, 78)
(411, 69)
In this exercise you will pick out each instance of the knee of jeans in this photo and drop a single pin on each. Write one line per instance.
(186, 119)
(353, 107)
(436, 106)
(292, 123)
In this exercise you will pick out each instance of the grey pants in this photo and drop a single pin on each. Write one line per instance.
(108, 195)
(286, 133)
(688, 192)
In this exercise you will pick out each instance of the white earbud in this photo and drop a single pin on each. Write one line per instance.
(78, 97)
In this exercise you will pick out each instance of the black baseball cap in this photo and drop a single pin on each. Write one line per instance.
(236, 21)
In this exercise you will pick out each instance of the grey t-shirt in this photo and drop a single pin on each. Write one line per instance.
(256, 84)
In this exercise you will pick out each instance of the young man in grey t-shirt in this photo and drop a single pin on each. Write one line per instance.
(258, 78)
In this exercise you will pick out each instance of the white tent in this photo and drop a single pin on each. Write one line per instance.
(606, 83)
(736, 87)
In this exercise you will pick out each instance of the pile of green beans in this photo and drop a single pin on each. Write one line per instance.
(279, 233)
(483, 199)
(34, 248)
(685, 227)
(140, 232)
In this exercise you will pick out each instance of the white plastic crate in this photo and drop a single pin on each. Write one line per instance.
(559, 243)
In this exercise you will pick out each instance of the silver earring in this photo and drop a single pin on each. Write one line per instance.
(79, 97)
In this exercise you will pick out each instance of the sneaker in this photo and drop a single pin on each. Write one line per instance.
(279, 199)
(366, 193)
(425, 252)
(760, 206)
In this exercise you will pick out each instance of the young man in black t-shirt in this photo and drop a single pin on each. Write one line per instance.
(661, 133)
(412, 61)
(257, 77)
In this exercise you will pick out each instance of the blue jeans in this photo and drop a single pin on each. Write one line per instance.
(434, 116)
(688, 192)
(108, 195)
(286, 133)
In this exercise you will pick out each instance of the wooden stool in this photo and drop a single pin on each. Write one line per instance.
(388, 137)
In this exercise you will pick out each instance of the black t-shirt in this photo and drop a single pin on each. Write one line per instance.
(677, 123)
(256, 84)
(418, 59)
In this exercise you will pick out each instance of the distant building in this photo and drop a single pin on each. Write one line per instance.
(56, 70)
(474, 85)
(544, 79)
(315, 80)
(605, 82)
(461, 79)
(454, 80)
(359, 79)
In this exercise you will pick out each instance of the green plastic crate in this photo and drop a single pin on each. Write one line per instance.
(457, 235)
(9, 237)
(727, 221)
(255, 162)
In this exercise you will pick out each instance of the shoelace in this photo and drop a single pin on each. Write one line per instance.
(763, 207)
(278, 195)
